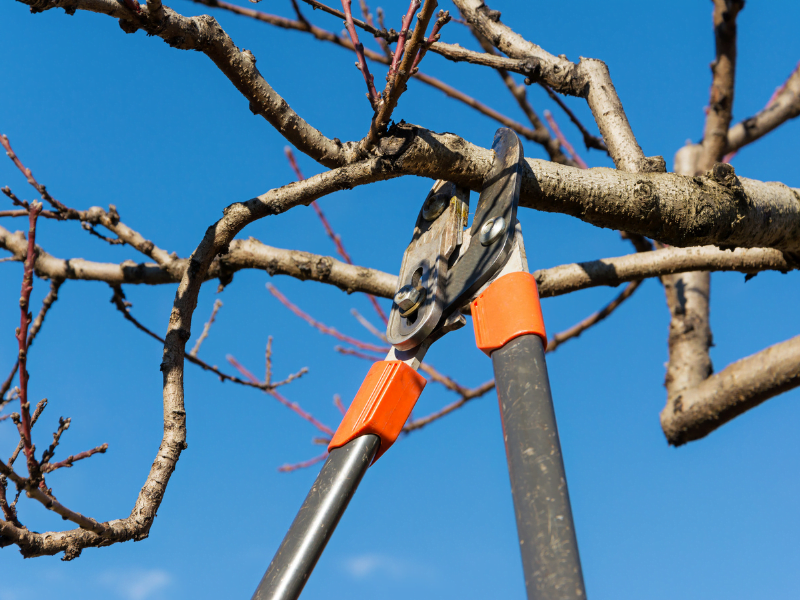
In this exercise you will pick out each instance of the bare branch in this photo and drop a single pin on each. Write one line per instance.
(206, 328)
(398, 76)
(734, 390)
(592, 319)
(783, 106)
(579, 162)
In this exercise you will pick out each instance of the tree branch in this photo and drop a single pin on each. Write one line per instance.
(739, 387)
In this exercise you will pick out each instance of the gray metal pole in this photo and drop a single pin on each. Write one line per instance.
(314, 524)
(538, 483)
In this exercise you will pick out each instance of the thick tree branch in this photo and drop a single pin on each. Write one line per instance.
(588, 79)
(555, 281)
(783, 107)
(734, 390)
(723, 69)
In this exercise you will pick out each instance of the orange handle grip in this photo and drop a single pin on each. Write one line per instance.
(507, 309)
(382, 405)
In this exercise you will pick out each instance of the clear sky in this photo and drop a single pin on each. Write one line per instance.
(102, 118)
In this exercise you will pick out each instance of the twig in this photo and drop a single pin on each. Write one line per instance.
(122, 305)
(335, 237)
(442, 19)
(389, 36)
(398, 76)
(63, 425)
(337, 402)
(372, 93)
(29, 176)
(401, 40)
(321, 326)
(357, 354)
(49, 467)
(22, 331)
(560, 136)
(48, 301)
(40, 406)
(591, 141)
(592, 319)
(473, 393)
(206, 328)
(368, 326)
(303, 465)
(294, 406)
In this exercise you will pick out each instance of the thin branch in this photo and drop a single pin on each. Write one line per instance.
(592, 319)
(321, 326)
(368, 326)
(591, 141)
(31, 179)
(579, 162)
(293, 406)
(372, 93)
(398, 75)
(49, 467)
(335, 237)
(123, 306)
(305, 464)
(474, 393)
(22, 334)
(782, 106)
(206, 328)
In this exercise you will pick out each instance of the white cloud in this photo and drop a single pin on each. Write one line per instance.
(381, 565)
(137, 584)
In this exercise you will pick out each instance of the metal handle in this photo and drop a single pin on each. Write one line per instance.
(314, 524)
(538, 483)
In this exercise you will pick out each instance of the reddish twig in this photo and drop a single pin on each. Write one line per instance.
(294, 406)
(560, 136)
(473, 393)
(368, 326)
(118, 299)
(335, 237)
(321, 326)
(372, 93)
(22, 331)
(29, 176)
(442, 19)
(40, 406)
(401, 40)
(50, 467)
(368, 18)
(591, 141)
(303, 465)
(357, 354)
(48, 301)
(337, 402)
(592, 319)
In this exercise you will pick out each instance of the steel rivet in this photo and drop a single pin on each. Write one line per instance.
(492, 230)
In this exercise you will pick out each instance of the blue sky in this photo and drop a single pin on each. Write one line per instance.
(107, 118)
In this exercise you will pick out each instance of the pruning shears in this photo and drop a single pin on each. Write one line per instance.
(447, 271)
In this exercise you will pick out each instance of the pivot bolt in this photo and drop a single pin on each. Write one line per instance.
(408, 298)
(434, 206)
(492, 230)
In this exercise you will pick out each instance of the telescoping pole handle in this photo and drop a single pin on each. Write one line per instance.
(509, 328)
(371, 425)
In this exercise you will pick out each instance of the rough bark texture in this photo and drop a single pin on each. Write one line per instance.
(734, 390)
